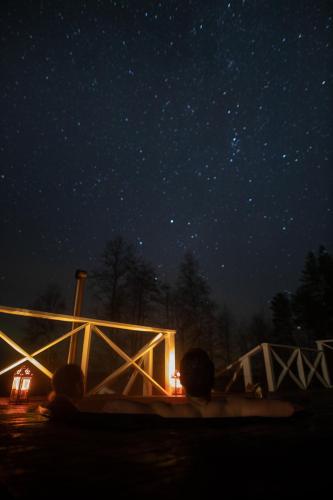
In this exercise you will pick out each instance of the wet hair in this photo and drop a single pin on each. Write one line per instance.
(197, 373)
(68, 380)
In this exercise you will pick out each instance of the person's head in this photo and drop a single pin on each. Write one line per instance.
(197, 373)
(68, 380)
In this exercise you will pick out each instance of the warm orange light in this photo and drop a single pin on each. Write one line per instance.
(176, 386)
(21, 385)
(172, 363)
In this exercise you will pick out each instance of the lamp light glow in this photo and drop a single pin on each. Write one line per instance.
(21, 385)
(177, 388)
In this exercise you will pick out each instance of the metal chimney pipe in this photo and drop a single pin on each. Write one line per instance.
(80, 277)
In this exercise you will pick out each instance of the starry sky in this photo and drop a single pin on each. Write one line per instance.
(181, 125)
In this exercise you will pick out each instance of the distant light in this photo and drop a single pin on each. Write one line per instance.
(172, 221)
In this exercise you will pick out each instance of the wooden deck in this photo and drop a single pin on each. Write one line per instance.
(245, 458)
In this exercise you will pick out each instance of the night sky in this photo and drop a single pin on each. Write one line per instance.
(181, 125)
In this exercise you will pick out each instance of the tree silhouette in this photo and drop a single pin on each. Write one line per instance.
(51, 300)
(109, 280)
(194, 308)
(313, 300)
(223, 338)
(259, 329)
(166, 303)
(141, 290)
(283, 323)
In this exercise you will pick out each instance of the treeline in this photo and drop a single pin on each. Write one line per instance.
(126, 288)
(306, 315)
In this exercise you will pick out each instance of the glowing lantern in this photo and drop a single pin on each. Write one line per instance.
(21, 385)
(177, 388)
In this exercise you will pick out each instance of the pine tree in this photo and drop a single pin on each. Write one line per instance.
(283, 324)
(166, 303)
(110, 279)
(195, 319)
(141, 290)
(42, 331)
(223, 338)
(313, 300)
(259, 329)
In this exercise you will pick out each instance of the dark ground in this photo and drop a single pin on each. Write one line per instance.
(154, 458)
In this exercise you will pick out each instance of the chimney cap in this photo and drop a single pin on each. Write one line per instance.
(80, 274)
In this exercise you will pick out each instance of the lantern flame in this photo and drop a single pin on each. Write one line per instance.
(177, 388)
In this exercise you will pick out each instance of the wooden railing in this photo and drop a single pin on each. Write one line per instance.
(141, 362)
(299, 364)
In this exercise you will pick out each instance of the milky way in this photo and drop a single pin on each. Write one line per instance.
(189, 125)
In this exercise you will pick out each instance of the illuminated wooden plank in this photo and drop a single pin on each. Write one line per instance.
(80, 319)
(287, 368)
(86, 354)
(132, 379)
(235, 364)
(300, 367)
(169, 361)
(127, 358)
(151, 345)
(313, 369)
(247, 372)
(148, 367)
(51, 344)
(324, 368)
(268, 367)
(19, 349)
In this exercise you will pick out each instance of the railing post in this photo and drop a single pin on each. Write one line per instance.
(247, 371)
(85, 353)
(170, 360)
(80, 280)
(147, 389)
(324, 367)
(268, 367)
(300, 368)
